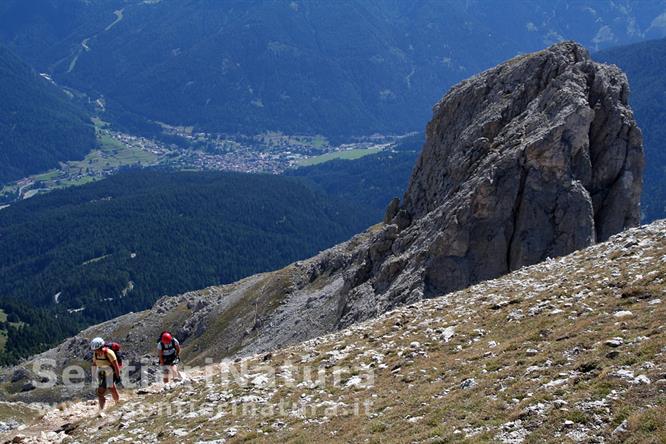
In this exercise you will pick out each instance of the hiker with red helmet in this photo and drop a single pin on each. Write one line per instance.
(168, 348)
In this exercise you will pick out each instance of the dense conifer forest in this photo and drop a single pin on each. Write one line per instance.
(86, 254)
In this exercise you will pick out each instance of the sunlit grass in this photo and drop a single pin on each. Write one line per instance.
(342, 154)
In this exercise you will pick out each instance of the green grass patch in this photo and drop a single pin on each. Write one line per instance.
(319, 142)
(378, 426)
(108, 143)
(47, 176)
(577, 416)
(80, 181)
(99, 123)
(344, 154)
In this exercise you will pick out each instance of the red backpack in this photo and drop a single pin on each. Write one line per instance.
(116, 350)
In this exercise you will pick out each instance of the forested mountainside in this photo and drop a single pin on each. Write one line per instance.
(645, 64)
(344, 68)
(39, 124)
(83, 255)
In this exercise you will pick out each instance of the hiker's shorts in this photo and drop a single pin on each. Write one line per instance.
(170, 360)
(104, 378)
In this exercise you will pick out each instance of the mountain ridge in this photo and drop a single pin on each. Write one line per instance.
(553, 167)
(570, 349)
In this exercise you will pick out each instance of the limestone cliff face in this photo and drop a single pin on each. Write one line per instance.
(535, 158)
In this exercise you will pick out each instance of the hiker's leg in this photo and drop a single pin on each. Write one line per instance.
(114, 393)
(176, 373)
(165, 376)
(101, 391)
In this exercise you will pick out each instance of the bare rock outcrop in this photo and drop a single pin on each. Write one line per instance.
(536, 158)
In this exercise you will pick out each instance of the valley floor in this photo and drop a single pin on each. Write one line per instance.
(266, 153)
(569, 350)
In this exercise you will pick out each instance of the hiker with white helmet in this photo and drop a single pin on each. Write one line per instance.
(106, 368)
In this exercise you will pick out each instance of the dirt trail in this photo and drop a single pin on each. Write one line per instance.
(58, 422)
(54, 425)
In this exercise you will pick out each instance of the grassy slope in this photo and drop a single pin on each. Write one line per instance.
(534, 342)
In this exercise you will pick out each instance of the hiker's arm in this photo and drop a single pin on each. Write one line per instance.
(161, 357)
(177, 349)
(116, 368)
